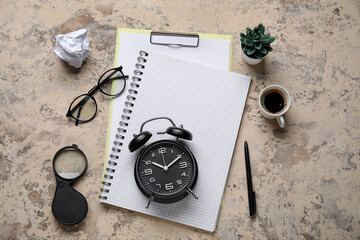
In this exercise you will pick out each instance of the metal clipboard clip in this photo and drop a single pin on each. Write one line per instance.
(174, 39)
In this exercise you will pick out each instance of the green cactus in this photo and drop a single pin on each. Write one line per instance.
(255, 44)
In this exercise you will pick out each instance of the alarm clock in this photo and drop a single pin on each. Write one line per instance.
(165, 171)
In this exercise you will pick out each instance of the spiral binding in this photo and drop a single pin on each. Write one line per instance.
(124, 122)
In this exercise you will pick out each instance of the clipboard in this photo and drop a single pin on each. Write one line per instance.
(211, 50)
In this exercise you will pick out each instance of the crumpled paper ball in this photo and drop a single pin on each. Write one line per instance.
(72, 47)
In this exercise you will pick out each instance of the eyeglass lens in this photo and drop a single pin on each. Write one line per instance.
(83, 108)
(112, 82)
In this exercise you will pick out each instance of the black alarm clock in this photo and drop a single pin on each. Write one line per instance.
(165, 171)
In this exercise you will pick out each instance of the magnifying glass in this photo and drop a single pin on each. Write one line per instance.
(69, 207)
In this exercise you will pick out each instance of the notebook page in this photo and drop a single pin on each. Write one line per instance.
(209, 103)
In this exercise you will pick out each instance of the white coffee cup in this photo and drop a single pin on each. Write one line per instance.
(274, 102)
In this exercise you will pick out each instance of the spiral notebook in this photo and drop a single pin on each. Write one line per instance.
(208, 102)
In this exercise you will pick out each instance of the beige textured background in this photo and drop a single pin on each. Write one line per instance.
(306, 176)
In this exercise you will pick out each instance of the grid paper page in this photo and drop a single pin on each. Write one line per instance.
(209, 103)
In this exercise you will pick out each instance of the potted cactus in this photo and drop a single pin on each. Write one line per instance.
(255, 45)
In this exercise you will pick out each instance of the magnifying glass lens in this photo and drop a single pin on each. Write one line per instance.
(70, 163)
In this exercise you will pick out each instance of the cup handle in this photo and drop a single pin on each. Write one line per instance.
(281, 121)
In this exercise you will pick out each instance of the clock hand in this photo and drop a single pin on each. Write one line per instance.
(163, 159)
(174, 161)
(158, 165)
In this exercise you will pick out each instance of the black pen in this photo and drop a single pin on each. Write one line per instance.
(251, 193)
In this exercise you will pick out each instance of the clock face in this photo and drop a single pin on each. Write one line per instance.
(165, 169)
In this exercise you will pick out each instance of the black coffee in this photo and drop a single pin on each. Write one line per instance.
(274, 102)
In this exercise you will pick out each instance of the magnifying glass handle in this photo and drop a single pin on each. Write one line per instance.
(69, 207)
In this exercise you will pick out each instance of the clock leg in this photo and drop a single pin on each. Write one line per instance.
(150, 200)
(188, 190)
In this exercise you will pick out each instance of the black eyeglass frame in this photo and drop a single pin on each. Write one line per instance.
(92, 91)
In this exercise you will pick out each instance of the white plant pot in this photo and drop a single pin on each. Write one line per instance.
(249, 60)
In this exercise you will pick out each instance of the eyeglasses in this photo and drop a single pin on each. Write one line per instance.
(111, 83)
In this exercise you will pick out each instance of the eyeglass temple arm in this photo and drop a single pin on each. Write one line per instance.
(105, 81)
(101, 83)
(108, 77)
(78, 115)
(79, 105)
